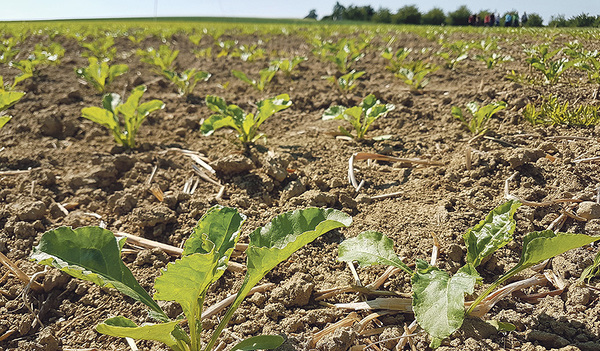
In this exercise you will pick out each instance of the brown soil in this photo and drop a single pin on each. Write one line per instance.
(75, 162)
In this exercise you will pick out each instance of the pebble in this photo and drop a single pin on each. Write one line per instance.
(589, 210)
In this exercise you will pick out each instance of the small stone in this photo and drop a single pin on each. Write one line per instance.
(589, 210)
(55, 279)
(48, 340)
(123, 163)
(340, 339)
(455, 253)
(293, 189)
(547, 339)
(233, 164)
(29, 210)
(363, 199)
(522, 156)
(294, 292)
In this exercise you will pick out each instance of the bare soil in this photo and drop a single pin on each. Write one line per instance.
(74, 162)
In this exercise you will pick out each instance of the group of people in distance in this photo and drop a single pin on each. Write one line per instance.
(491, 20)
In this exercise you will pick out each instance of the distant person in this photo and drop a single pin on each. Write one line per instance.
(492, 20)
(497, 23)
(471, 20)
(524, 19)
(515, 22)
(477, 20)
(486, 20)
(507, 20)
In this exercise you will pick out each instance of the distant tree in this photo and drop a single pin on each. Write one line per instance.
(338, 12)
(583, 20)
(358, 13)
(408, 14)
(534, 20)
(434, 17)
(382, 15)
(558, 21)
(460, 17)
(312, 14)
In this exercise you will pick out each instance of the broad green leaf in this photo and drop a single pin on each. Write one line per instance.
(491, 233)
(537, 247)
(4, 120)
(260, 342)
(143, 110)
(540, 246)
(369, 248)
(92, 254)
(368, 102)
(215, 122)
(457, 113)
(334, 112)
(243, 77)
(276, 242)
(116, 70)
(122, 327)
(439, 300)
(133, 101)
(218, 230)
(101, 116)
(186, 281)
(267, 107)
(9, 98)
(216, 103)
(111, 101)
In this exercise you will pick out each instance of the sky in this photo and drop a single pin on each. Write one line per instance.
(67, 9)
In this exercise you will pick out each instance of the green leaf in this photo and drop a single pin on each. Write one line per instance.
(491, 233)
(334, 112)
(540, 246)
(267, 107)
(438, 299)
(243, 77)
(92, 254)
(186, 280)
(369, 248)
(537, 247)
(122, 327)
(215, 122)
(218, 230)
(111, 101)
(276, 242)
(9, 98)
(4, 120)
(502, 326)
(260, 342)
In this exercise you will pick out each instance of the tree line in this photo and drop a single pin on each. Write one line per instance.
(410, 14)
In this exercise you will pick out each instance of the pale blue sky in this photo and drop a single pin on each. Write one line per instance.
(59, 9)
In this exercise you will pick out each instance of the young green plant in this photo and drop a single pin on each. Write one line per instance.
(93, 254)
(438, 299)
(287, 66)
(360, 117)
(7, 100)
(413, 74)
(395, 59)
(266, 76)
(101, 48)
(162, 59)
(246, 124)
(186, 81)
(346, 82)
(132, 113)
(99, 74)
(480, 115)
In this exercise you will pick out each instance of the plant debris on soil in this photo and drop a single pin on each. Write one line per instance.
(58, 169)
